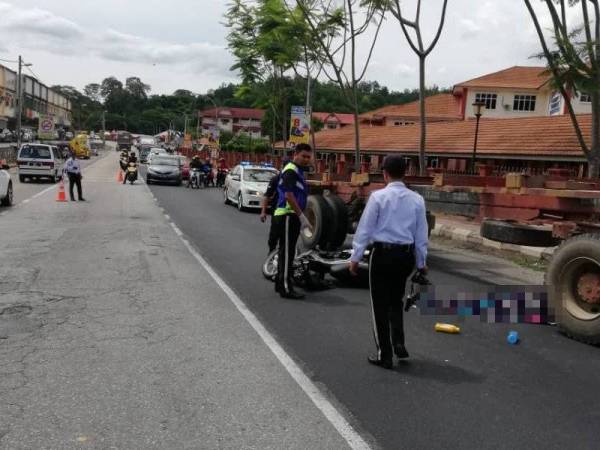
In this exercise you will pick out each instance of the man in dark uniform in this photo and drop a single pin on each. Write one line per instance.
(289, 219)
(395, 221)
(269, 205)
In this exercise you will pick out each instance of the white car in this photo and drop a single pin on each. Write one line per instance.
(6, 187)
(40, 161)
(246, 184)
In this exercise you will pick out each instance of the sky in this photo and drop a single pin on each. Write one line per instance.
(181, 44)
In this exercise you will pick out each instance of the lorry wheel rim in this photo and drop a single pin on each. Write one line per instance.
(579, 286)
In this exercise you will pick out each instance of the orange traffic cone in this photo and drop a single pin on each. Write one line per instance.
(120, 176)
(61, 197)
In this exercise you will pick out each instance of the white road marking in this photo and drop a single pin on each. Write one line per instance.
(339, 422)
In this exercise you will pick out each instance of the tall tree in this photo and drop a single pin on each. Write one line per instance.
(574, 63)
(417, 44)
(110, 85)
(137, 88)
(337, 30)
(92, 90)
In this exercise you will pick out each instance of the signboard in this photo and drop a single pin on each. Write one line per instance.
(555, 104)
(46, 127)
(300, 126)
(213, 135)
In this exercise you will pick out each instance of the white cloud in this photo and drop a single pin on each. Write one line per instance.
(37, 22)
(469, 28)
(404, 70)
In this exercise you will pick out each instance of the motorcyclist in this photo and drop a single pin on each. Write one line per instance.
(207, 169)
(195, 165)
(131, 159)
(123, 160)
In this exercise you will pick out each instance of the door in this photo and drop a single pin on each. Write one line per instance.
(234, 183)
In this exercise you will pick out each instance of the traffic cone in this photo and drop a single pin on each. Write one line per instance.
(120, 176)
(61, 197)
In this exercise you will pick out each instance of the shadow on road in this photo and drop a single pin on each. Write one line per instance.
(427, 369)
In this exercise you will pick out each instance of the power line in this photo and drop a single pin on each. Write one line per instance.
(9, 60)
(33, 73)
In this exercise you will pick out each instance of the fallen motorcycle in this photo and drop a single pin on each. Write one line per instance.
(196, 180)
(311, 266)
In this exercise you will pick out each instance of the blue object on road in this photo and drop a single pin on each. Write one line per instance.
(513, 337)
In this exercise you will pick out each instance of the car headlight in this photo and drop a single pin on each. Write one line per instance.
(251, 192)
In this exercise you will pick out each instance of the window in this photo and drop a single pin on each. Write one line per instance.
(524, 103)
(585, 98)
(487, 98)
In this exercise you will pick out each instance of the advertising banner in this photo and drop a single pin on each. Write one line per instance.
(46, 127)
(300, 126)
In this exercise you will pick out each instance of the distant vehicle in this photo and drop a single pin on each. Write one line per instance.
(144, 152)
(6, 187)
(39, 161)
(69, 135)
(80, 145)
(7, 136)
(124, 140)
(185, 167)
(164, 169)
(145, 140)
(155, 151)
(246, 184)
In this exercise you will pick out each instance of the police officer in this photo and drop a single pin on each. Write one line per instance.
(394, 220)
(269, 205)
(73, 171)
(289, 219)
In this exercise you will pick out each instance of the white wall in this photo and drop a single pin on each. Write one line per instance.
(506, 96)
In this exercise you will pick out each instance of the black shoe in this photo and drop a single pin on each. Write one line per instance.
(384, 363)
(401, 352)
(82, 199)
(292, 295)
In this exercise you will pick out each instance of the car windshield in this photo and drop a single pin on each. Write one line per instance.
(35, 152)
(258, 175)
(158, 161)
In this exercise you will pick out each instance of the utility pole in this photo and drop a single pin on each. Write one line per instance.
(104, 129)
(20, 99)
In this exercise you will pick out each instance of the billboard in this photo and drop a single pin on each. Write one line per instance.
(300, 126)
(46, 127)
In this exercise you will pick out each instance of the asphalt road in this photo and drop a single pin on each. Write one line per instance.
(471, 390)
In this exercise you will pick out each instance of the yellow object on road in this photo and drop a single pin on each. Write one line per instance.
(447, 328)
(80, 145)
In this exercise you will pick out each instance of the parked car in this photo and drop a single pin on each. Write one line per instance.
(6, 187)
(164, 169)
(39, 161)
(246, 184)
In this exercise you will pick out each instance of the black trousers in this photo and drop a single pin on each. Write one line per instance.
(287, 230)
(75, 179)
(388, 271)
(273, 237)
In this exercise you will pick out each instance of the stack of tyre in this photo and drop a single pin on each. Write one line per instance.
(328, 216)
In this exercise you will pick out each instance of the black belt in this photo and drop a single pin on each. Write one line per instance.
(405, 248)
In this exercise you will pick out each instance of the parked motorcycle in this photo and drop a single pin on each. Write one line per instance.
(221, 176)
(131, 174)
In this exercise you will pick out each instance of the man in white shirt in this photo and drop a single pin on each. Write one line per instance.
(73, 171)
(395, 222)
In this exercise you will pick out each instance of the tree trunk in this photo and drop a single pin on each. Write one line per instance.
(423, 140)
(594, 156)
(356, 135)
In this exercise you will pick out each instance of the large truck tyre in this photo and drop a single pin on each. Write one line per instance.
(320, 216)
(339, 225)
(516, 233)
(573, 279)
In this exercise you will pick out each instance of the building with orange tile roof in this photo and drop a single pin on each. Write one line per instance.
(333, 121)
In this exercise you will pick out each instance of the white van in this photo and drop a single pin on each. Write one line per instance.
(40, 161)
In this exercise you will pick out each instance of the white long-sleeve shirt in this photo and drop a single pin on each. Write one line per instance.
(72, 166)
(394, 215)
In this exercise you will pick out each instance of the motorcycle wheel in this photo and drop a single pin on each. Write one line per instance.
(269, 268)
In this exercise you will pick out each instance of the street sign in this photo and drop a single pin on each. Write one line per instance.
(46, 127)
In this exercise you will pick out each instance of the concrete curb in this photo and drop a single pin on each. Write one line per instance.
(464, 235)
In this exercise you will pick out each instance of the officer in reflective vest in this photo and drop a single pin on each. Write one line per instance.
(289, 217)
